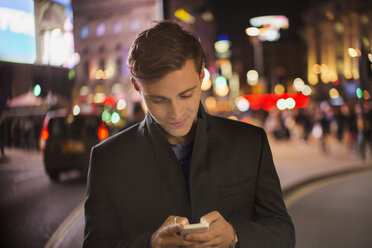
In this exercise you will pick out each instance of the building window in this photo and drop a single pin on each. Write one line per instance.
(84, 32)
(86, 69)
(119, 66)
(118, 47)
(117, 27)
(101, 49)
(86, 51)
(101, 64)
(101, 29)
(135, 25)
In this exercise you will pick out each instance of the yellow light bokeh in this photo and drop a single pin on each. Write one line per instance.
(355, 73)
(222, 91)
(317, 69)
(206, 85)
(210, 103)
(279, 89)
(100, 74)
(325, 78)
(184, 16)
(333, 93)
(313, 79)
(99, 97)
(366, 95)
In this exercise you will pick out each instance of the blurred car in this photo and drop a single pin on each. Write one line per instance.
(66, 141)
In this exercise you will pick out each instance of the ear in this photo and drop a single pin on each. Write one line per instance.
(202, 74)
(135, 84)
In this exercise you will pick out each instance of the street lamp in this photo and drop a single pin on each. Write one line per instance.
(264, 28)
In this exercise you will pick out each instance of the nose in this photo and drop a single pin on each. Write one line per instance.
(175, 110)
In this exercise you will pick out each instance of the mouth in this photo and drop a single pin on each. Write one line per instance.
(178, 123)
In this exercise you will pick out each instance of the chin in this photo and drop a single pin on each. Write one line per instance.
(178, 133)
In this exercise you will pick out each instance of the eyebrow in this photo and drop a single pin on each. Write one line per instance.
(181, 93)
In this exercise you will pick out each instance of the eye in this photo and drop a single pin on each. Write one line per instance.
(186, 96)
(158, 101)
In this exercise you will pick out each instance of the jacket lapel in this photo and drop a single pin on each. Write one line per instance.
(199, 168)
(167, 168)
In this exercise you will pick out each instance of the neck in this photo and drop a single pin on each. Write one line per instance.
(183, 140)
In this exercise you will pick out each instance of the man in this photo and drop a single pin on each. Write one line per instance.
(181, 165)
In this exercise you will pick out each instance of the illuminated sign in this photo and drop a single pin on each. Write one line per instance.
(269, 27)
(270, 101)
(17, 31)
(57, 35)
(275, 22)
(63, 2)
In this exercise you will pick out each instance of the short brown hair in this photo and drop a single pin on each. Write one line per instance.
(162, 49)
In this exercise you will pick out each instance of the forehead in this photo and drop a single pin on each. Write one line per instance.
(174, 82)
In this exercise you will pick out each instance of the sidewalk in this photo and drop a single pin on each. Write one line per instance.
(295, 163)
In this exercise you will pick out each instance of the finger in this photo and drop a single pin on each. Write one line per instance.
(200, 237)
(175, 241)
(171, 229)
(182, 220)
(210, 217)
(170, 220)
(212, 243)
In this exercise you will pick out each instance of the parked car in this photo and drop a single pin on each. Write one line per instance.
(66, 141)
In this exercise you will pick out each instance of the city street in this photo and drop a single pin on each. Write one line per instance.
(299, 163)
(331, 214)
(32, 206)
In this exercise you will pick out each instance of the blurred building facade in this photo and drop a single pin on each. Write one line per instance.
(339, 38)
(104, 31)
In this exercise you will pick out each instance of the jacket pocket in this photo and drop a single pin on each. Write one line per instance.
(234, 189)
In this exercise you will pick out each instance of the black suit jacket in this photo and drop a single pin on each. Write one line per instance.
(135, 182)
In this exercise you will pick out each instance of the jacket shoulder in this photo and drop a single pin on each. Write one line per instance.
(233, 127)
(126, 138)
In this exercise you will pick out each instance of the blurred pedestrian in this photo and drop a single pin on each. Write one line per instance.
(304, 119)
(181, 165)
(16, 132)
(2, 136)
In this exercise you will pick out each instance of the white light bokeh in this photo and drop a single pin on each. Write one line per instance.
(242, 104)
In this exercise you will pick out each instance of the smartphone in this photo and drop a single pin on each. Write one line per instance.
(195, 228)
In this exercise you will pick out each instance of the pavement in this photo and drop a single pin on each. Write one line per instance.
(327, 195)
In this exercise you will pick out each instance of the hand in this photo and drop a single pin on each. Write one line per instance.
(166, 235)
(220, 232)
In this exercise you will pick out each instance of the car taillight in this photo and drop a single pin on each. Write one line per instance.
(102, 133)
(44, 134)
(43, 137)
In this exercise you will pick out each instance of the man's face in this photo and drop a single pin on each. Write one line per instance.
(173, 101)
